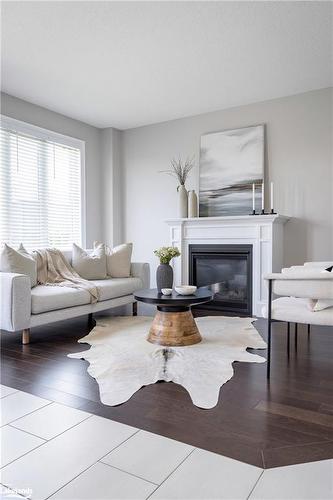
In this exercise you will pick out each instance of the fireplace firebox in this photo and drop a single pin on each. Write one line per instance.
(227, 271)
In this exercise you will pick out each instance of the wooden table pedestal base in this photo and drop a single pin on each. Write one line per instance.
(174, 329)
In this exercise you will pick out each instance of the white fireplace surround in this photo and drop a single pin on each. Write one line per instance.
(263, 232)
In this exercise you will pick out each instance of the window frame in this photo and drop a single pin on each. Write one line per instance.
(29, 129)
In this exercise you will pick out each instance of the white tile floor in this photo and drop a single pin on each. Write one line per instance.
(15, 443)
(18, 404)
(51, 420)
(148, 456)
(5, 391)
(52, 451)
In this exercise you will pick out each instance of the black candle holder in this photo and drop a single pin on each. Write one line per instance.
(262, 212)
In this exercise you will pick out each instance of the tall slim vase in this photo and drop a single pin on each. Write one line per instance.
(182, 202)
(192, 204)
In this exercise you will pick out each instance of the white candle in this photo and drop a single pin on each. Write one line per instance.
(253, 198)
(272, 197)
(262, 196)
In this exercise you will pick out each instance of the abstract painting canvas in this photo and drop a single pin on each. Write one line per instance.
(230, 162)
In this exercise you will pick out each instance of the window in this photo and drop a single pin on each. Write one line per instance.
(41, 187)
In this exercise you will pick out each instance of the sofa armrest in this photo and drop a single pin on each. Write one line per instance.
(15, 298)
(141, 270)
(311, 274)
(310, 285)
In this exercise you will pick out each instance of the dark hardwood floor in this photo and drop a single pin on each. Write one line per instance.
(286, 421)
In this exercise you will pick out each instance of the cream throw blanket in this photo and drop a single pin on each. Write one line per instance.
(54, 270)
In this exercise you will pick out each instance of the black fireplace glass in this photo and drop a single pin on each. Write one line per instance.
(227, 271)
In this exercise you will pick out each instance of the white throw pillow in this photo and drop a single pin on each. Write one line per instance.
(89, 266)
(319, 304)
(118, 260)
(311, 304)
(18, 261)
(323, 304)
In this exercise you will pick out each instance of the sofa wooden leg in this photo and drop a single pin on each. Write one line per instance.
(296, 337)
(26, 336)
(309, 330)
(135, 308)
(288, 338)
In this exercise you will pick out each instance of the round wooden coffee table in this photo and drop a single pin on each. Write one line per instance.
(173, 324)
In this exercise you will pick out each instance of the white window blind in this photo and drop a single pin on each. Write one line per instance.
(40, 187)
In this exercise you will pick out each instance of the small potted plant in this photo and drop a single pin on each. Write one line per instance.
(164, 272)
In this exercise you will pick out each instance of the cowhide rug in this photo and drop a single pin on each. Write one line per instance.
(122, 361)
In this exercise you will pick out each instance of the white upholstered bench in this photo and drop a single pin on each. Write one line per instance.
(295, 286)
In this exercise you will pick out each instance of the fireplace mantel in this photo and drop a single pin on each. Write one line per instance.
(263, 232)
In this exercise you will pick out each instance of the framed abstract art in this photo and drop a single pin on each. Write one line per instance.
(230, 162)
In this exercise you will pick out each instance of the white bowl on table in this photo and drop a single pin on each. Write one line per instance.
(186, 289)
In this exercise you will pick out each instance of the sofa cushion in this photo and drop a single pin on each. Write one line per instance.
(321, 265)
(49, 298)
(117, 287)
(296, 310)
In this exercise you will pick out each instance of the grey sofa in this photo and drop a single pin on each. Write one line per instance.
(23, 307)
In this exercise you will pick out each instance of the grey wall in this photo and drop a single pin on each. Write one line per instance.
(298, 160)
(128, 199)
(41, 117)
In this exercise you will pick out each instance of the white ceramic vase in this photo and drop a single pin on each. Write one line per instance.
(182, 202)
(192, 204)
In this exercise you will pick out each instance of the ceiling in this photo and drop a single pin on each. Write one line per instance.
(127, 64)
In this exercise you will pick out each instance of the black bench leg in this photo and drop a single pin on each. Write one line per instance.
(309, 330)
(269, 328)
(91, 320)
